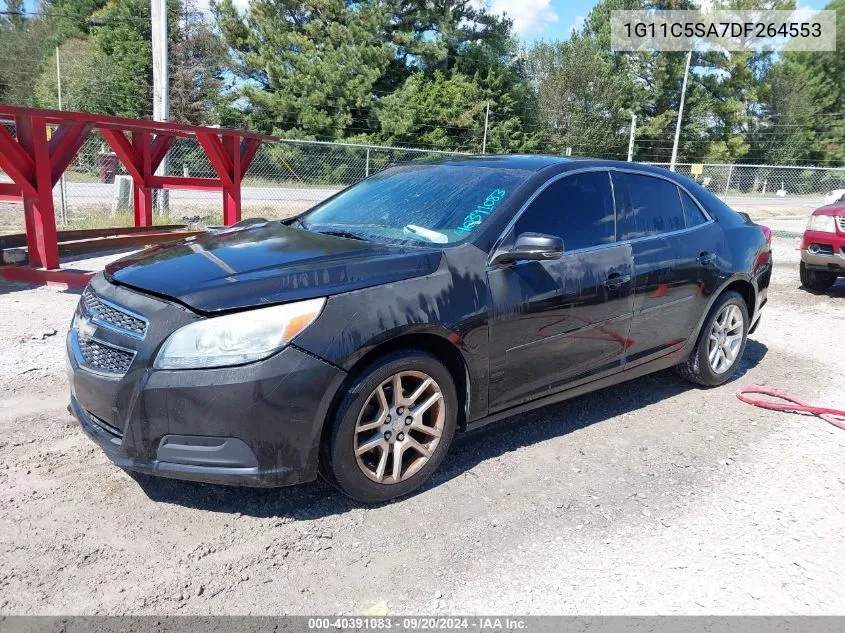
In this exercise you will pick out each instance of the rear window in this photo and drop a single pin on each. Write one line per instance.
(692, 212)
(432, 203)
(654, 207)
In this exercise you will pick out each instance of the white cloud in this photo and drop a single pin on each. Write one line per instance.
(577, 24)
(529, 16)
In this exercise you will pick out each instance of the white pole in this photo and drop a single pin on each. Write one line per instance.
(161, 82)
(680, 114)
(486, 119)
(631, 139)
(62, 184)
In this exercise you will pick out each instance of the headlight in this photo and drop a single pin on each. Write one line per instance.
(822, 223)
(238, 338)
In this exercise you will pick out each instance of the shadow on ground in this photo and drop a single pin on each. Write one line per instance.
(318, 499)
(836, 291)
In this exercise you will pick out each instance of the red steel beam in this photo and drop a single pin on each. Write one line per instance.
(102, 121)
(184, 182)
(159, 148)
(10, 191)
(59, 278)
(17, 162)
(213, 147)
(249, 148)
(232, 146)
(125, 152)
(142, 195)
(39, 214)
(66, 142)
(35, 164)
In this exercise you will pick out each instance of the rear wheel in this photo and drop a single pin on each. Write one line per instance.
(393, 428)
(816, 280)
(720, 344)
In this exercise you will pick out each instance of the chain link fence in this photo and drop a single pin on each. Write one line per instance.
(290, 176)
(771, 187)
(285, 178)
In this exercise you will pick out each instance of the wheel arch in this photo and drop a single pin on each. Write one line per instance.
(436, 344)
(738, 283)
(746, 289)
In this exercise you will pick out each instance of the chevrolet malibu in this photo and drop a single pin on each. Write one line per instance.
(356, 339)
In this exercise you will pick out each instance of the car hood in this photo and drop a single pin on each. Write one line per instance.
(836, 208)
(266, 264)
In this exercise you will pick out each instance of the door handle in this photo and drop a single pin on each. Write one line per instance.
(703, 258)
(614, 281)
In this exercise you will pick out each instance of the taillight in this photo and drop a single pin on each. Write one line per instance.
(767, 232)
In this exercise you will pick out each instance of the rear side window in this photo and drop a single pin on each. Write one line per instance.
(654, 207)
(692, 212)
(577, 208)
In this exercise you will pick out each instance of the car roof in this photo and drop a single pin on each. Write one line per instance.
(526, 162)
(538, 162)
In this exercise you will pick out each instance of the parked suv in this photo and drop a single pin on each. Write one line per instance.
(357, 338)
(823, 247)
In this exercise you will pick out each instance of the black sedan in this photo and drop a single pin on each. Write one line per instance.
(356, 339)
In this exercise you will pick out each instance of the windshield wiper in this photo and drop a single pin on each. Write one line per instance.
(346, 234)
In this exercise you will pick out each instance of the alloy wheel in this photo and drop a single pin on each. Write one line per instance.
(399, 427)
(725, 339)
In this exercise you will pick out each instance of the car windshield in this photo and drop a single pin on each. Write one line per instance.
(428, 203)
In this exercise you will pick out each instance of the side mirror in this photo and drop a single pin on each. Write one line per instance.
(531, 246)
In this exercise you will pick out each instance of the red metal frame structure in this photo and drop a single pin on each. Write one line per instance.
(35, 162)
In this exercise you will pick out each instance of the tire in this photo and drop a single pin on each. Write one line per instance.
(816, 280)
(360, 422)
(698, 368)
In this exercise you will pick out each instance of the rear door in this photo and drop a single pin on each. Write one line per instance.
(673, 251)
(554, 323)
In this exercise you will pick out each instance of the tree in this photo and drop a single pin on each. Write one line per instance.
(89, 80)
(198, 58)
(817, 77)
(25, 44)
(308, 68)
(583, 102)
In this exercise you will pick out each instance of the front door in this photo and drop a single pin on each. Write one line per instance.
(556, 323)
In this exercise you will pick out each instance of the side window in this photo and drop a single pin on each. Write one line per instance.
(692, 212)
(577, 208)
(654, 207)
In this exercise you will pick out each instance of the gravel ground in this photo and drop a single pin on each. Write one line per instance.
(653, 497)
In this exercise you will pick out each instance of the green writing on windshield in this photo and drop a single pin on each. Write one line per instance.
(475, 217)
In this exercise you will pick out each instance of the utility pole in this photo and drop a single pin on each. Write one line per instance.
(161, 84)
(631, 139)
(680, 114)
(486, 119)
(62, 184)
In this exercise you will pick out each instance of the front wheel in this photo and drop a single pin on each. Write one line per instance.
(720, 344)
(816, 280)
(393, 428)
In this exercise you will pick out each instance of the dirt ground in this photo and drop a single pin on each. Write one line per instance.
(653, 497)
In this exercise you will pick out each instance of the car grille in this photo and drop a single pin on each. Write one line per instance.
(841, 220)
(105, 358)
(112, 316)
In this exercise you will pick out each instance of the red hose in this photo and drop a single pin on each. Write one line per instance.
(835, 416)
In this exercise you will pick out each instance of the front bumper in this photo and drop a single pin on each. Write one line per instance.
(824, 251)
(255, 425)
